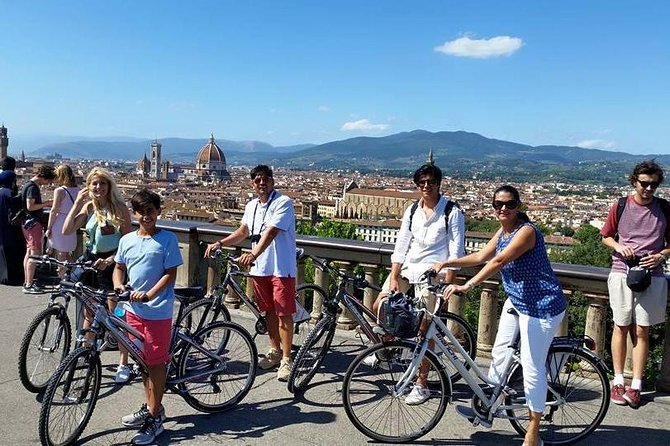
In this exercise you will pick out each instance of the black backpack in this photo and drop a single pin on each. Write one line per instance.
(447, 211)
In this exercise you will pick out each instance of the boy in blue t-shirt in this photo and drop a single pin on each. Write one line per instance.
(150, 256)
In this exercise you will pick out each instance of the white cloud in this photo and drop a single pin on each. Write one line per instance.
(324, 108)
(363, 124)
(596, 144)
(481, 48)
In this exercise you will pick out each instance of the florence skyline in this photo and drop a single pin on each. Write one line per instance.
(591, 75)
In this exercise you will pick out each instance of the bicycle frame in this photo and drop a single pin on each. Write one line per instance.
(441, 335)
(119, 329)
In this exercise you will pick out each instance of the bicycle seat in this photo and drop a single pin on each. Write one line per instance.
(189, 294)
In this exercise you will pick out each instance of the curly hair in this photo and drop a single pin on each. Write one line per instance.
(649, 167)
(113, 211)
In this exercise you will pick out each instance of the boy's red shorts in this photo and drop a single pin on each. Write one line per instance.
(275, 294)
(157, 336)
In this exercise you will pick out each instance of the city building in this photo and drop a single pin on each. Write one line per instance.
(210, 163)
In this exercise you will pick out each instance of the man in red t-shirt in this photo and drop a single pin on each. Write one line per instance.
(642, 232)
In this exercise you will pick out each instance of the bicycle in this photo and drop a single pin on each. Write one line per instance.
(212, 369)
(318, 341)
(213, 308)
(48, 337)
(577, 398)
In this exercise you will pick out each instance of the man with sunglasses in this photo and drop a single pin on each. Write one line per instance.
(640, 234)
(269, 222)
(424, 239)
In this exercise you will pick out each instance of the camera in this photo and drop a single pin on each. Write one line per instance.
(255, 238)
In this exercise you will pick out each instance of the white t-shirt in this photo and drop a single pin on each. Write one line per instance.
(279, 258)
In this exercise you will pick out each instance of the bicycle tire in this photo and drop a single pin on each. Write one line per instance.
(201, 313)
(582, 383)
(373, 408)
(75, 383)
(306, 293)
(231, 343)
(51, 327)
(460, 328)
(312, 353)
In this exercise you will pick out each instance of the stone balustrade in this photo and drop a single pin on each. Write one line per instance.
(374, 258)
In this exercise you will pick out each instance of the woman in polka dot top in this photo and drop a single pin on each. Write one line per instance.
(517, 251)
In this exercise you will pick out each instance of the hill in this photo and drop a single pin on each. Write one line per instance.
(459, 153)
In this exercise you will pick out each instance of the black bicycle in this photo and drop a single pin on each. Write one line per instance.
(318, 341)
(212, 369)
(212, 308)
(48, 338)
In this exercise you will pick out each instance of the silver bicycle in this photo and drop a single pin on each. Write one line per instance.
(374, 397)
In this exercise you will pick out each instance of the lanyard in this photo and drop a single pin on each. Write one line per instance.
(253, 221)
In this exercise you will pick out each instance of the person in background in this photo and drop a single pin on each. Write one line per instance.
(518, 252)
(12, 244)
(642, 232)
(100, 208)
(32, 228)
(64, 197)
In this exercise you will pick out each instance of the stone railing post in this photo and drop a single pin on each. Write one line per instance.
(488, 319)
(346, 321)
(663, 381)
(321, 279)
(596, 320)
(213, 274)
(370, 295)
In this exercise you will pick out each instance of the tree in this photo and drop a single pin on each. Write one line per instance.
(589, 249)
(329, 228)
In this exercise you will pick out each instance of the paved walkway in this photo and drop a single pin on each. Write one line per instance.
(270, 414)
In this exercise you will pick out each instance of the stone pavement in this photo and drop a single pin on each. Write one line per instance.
(270, 414)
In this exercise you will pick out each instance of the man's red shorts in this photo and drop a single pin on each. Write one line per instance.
(275, 294)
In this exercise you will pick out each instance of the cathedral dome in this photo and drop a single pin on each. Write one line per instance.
(210, 153)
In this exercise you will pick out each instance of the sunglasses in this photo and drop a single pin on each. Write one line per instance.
(511, 204)
(646, 184)
(422, 183)
(259, 179)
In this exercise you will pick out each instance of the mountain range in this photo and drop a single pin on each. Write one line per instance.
(459, 152)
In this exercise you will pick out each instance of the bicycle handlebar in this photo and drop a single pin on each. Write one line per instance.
(45, 259)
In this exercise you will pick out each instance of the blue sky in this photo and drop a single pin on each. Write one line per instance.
(574, 72)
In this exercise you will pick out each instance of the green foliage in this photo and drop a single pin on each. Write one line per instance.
(588, 250)
(329, 228)
(481, 225)
(544, 229)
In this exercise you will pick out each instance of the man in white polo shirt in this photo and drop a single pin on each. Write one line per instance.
(269, 221)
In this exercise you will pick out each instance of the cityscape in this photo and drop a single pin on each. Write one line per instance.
(210, 190)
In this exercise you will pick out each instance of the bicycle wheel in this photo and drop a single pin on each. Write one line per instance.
(44, 346)
(306, 294)
(202, 313)
(70, 398)
(377, 409)
(311, 354)
(465, 336)
(217, 380)
(577, 399)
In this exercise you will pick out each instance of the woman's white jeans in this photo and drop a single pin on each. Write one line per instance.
(536, 336)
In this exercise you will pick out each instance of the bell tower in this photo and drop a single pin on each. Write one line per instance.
(156, 159)
(4, 141)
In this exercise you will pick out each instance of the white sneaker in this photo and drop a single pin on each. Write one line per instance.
(371, 360)
(418, 395)
(122, 374)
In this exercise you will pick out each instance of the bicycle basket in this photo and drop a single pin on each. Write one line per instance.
(400, 316)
